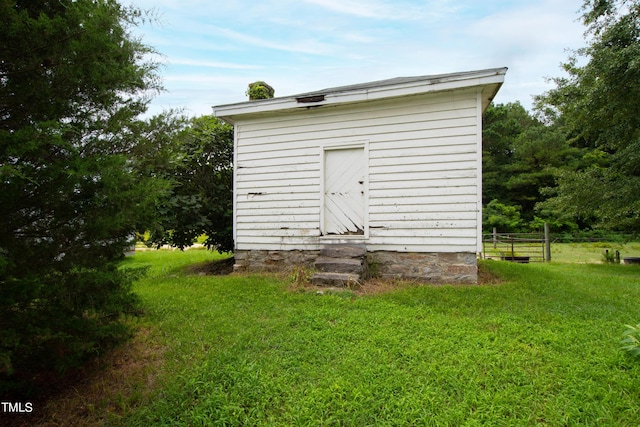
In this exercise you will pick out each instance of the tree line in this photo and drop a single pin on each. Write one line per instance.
(82, 171)
(574, 161)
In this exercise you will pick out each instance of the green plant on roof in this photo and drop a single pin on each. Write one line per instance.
(260, 90)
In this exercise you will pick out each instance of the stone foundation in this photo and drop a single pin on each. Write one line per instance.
(440, 268)
(273, 261)
(424, 267)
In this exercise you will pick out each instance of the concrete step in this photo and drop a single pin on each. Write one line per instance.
(345, 280)
(340, 265)
(343, 251)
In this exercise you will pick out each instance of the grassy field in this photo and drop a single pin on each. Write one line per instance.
(584, 252)
(591, 252)
(540, 347)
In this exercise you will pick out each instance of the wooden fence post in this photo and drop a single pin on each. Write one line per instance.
(513, 253)
(547, 242)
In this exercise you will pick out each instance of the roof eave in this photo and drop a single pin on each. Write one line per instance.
(492, 78)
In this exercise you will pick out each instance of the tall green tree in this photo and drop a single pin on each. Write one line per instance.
(521, 155)
(502, 125)
(501, 217)
(598, 102)
(200, 200)
(73, 81)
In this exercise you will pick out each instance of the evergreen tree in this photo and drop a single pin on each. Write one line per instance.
(73, 81)
(521, 156)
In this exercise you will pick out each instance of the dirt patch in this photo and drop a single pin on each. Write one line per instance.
(376, 286)
(368, 287)
(107, 388)
(381, 286)
(219, 267)
(485, 277)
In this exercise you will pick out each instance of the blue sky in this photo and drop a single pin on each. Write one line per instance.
(211, 50)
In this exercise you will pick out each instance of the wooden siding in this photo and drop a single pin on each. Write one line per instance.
(423, 173)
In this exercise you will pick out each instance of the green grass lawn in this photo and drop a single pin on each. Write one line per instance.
(540, 348)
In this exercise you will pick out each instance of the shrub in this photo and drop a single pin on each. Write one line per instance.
(611, 257)
(631, 340)
(76, 178)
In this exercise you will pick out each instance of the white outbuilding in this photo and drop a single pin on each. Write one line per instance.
(393, 167)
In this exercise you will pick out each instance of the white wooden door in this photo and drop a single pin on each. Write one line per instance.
(344, 198)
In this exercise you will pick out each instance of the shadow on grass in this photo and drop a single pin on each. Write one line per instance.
(218, 267)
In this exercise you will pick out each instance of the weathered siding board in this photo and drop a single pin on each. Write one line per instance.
(415, 154)
(414, 166)
(440, 211)
(428, 112)
(421, 122)
(276, 197)
(278, 243)
(267, 159)
(430, 180)
(431, 215)
(457, 126)
(267, 177)
(421, 225)
(284, 232)
(423, 143)
(411, 173)
(436, 174)
(456, 104)
(283, 139)
(432, 137)
(286, 168)
(422, 173)
(266, 214)
(424, 245)
(289, 224)
(267, 186)
(259, 230)
(424, 237)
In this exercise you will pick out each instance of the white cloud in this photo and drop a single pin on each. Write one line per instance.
(390, 10)
(200, 79)
(213, 50)
(354, 7)
(532, 39)
(538, 26)
(308, 46)
(214, 64)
